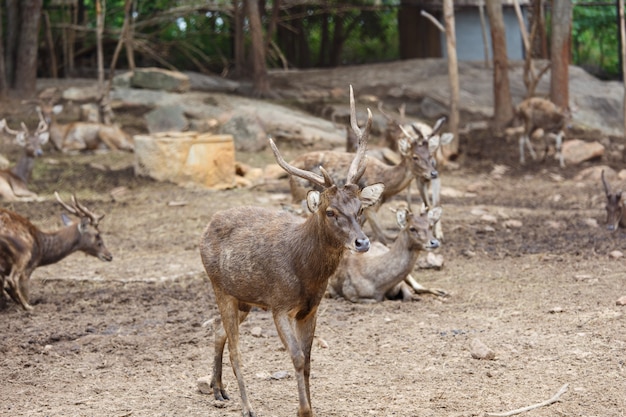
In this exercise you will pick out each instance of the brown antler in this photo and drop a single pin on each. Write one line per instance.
(323, 181)
(607, 188)
(357, 167)
(79, 210)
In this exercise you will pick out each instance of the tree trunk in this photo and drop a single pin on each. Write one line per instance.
(4, 87)
(325, 40)
(622, 37)
(503, 104)
(453, 76)
(560, 47)
(26, 64)
(12, 35)
(259, 66)
(238, 39)
(418, 38)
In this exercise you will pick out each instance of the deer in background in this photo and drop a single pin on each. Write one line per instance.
(415, 162)
(26, 248)
(381, 273)
(82, 136)
(614, 207)
(281, 262)
(540, 118)
(14, 182)
(429, 189)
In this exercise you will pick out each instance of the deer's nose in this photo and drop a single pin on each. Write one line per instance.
(610, 227)
(433, 244)
(434, 174)
(362, 245)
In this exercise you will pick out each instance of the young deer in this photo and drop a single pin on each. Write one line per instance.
(614, 208)
(281, 262)
(26, 248)
(381, 274)
(416, 162)
(541, 117)
(429, 189)
(14, 182)
(81, 136)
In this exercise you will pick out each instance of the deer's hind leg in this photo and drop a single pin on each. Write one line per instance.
(232, 314)
(15, 283)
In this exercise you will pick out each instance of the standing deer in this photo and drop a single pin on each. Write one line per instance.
(26, 248)
(429, 188)
(381, 273)
(278, 261)
(14, 182)
(81, 136)
(614, 207)
(543, 118)
(415, 162)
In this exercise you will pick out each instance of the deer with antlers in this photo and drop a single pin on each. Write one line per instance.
(614, 207)
(281, 262)
(382, 272)
(14, 182)
(429, 188)
(415, 162)
(26, 248)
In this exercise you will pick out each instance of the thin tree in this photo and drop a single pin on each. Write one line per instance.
(3, 75)
(26, 63)
(503, 104)
(453, 72)
(260, 78)
(622, 31)
(560, 49)
(453, 77)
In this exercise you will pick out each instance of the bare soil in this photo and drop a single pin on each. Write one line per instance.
(131, 337)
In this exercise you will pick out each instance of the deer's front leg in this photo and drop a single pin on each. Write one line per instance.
(300, 357)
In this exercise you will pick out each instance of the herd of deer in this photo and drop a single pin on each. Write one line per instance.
(288, 272)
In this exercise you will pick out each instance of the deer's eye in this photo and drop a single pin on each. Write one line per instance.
(330, 213)
(412, 229)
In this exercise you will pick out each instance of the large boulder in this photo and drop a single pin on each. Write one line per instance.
(186, 158)
(160, 79)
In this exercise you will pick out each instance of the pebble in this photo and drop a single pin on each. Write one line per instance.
(479, 350)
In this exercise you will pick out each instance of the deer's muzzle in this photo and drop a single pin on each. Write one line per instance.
(362, 244)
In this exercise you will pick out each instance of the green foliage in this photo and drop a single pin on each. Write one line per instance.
(595, 38)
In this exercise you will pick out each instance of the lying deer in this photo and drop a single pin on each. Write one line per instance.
(281, 262)
(614, 207)
(381, 273)
(14, 182)
(83, 136)
(540, 118)
(415, 162)
(26, 248)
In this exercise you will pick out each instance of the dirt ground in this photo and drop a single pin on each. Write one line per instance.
(131, 337)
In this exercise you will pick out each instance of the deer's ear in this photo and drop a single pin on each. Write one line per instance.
(313, 200)
(57, 109)
(20, 138)
(434, 214)
(401, 217)
(404, 146)
(370, 194)
(446, 138)
(82, 226)
(66, 220)
(43, 138)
